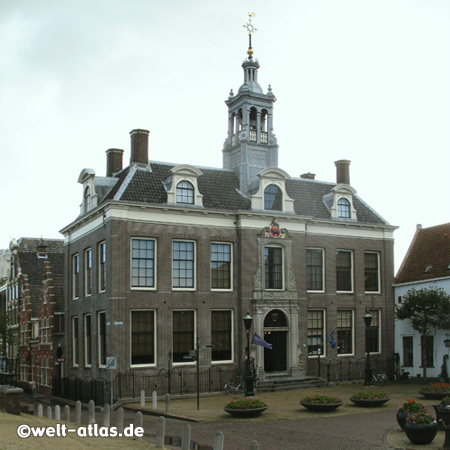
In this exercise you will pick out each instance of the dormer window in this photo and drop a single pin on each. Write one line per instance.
(343, 206)
(273, 198)
(87, 199)
(185, 193)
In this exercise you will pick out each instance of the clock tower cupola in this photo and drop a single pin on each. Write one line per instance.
(250, 146)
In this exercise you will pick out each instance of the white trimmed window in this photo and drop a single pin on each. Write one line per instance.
(344, 271)
(345, 332)
(183, 335)
(221, 267)
(102, 266)
(222, 335)
(143, 263)
(75, 341)
(371, 272)
(183, 265)
(143, 337)
(101, 338)
(273, 262)
(316, 332)
(75, 276)
(185, 193)
(88, 272)
(87, 341)
(315, 270)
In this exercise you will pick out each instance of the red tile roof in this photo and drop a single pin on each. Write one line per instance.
(428, 255)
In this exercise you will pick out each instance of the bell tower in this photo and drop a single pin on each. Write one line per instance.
(250, 145)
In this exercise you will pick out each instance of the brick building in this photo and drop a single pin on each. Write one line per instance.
(163, 254)
(35, 307)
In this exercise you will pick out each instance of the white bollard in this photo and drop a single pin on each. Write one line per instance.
(49, 412)
(186, 437)
(119, 420)
(40, 410)
(106, 415)
(218, 441)
(78, 412)
(254, 445)
(139, 422)
(160, 432)
(167, 403)
(91, 411)
(67, 413)
(142, 398)
(154, 400)
(57, 412)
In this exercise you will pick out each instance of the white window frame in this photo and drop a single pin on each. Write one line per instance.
(155, 248)
(155, 334)
(87, 345)
(378, 270)
(75, 337)
(283, 264)
(99, 336)
(187, 361)
(101, 263)
(324, 334)
(321, 291)
(225, 361)
(87, 267)
(194, 288)
(343, 355)
(352, 281)
(75, 276)
(231, 266)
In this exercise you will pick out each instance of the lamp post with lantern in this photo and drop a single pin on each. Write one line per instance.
(368, 371)
(248, 319)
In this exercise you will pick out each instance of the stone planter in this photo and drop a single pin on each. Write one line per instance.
(442, 413)
(244, 413)
(421, 433)
(401, 419)
(434, 395)
(370, 403)
(321, 407)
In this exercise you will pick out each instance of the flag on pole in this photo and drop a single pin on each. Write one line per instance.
(258, 340)
(330, 339)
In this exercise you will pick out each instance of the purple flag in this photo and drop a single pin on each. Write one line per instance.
(258, 340)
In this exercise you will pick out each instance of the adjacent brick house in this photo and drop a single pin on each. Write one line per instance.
(35, 306)
(425, 265)
(163, 254)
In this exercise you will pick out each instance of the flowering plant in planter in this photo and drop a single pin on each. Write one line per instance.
(245, 403)
(369, 396)
(445, 401)
(411, 406)
(420, 417)
(436, 387)
(321, 400)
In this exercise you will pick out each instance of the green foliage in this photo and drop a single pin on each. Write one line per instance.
(436, 387)
(426, 308)
(321, 400)
(6, 335)
(246, 403)
(420, 417)
(411, 406)
(369, 396)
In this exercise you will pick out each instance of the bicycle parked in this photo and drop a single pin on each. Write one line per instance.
(379, 379)
(232, 387)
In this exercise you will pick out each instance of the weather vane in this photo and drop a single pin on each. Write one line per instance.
(251, 29)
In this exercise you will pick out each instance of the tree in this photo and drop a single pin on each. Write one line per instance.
(6, 334)
(426, 308)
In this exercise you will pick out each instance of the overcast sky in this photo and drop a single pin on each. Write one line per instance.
(361, 80)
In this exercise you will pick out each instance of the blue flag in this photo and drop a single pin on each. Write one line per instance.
(330, 339)
(258, 340)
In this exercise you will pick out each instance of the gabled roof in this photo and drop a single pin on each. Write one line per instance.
(220, 190)
(428, 256)
(33, 266)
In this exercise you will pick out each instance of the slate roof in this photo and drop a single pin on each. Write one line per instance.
(220, 190)
(33, 266)
(428, 256)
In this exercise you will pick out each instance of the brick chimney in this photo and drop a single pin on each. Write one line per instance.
(139, 146)
(114, 161)
(342, 171)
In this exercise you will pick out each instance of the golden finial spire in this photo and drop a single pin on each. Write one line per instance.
(251, 29)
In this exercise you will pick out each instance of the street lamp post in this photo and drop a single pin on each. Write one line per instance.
(248, 319)
(368, 377)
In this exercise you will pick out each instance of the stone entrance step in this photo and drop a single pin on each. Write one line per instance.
(287, 383)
